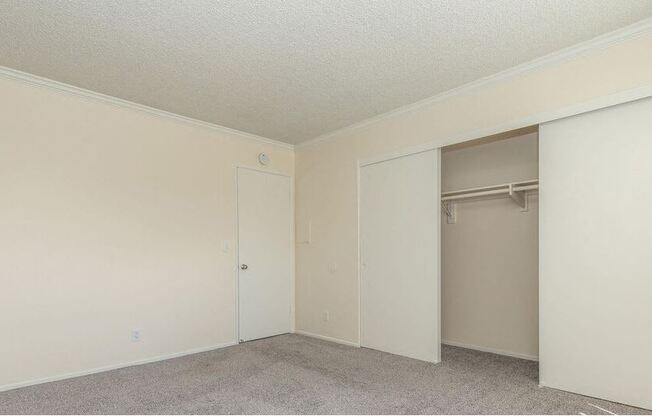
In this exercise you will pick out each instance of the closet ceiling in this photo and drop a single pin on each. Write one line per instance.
(291, 70)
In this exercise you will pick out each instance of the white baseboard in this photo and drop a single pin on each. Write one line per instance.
(492, 350)
(325, 338)
(13, 386)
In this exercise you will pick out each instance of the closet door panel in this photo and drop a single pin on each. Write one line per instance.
(595, 254)
(399, 247)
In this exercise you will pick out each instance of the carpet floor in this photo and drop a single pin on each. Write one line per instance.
(297, 374)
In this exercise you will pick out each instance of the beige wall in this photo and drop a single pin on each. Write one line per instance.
(489, 260)
(112, 219)
(326, 192)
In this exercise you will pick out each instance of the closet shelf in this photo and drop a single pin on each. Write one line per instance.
(515, 190)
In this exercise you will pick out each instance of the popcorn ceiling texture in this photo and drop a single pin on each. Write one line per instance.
(291, 70)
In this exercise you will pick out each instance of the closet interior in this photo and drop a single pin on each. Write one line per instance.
(489, 244)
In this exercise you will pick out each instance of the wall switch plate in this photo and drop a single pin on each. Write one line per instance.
(325, 316)
(135, 335)
(226, 246)
(304, 232)
(450, 210)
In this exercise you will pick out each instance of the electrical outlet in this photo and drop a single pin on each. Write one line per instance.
(325, 316)
(135, 335)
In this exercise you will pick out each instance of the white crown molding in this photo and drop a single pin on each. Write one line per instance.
(598, 43)
(36, 80)
(592, 45)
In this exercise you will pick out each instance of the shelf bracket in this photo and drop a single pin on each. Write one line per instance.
(519, 197)
(450, 211)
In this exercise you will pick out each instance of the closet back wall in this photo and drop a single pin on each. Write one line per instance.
(112, 220)
(490, 256)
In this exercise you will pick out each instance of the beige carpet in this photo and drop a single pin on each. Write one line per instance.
(296, 374)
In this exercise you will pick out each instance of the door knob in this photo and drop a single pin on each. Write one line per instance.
(244, 266)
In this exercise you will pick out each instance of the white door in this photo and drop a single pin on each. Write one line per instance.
(399, 256)
(595, 266)
(264, 252)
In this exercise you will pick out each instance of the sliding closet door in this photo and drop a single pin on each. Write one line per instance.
(399, 244)
(596, 254)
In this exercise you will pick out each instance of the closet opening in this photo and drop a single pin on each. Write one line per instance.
(489, 244)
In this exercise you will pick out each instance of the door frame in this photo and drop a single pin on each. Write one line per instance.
(292, 317)
(384, 158)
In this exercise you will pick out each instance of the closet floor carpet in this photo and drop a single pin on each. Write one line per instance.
(296, 374)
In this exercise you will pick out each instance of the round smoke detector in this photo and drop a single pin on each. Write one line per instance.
(263, 159)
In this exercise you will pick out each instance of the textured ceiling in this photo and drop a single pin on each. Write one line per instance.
(291, 70)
